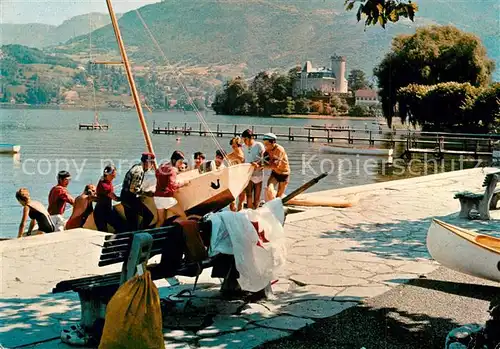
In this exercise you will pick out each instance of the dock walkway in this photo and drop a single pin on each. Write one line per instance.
(415, 142)
(336, 259)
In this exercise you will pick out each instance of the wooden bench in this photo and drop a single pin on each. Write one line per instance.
(483, 203)
(132, 249)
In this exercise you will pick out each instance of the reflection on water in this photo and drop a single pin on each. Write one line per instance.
(50, 141)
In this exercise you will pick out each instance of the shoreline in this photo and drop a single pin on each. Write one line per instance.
(322, 117)
(278, 116)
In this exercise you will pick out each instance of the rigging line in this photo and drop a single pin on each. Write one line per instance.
(90, 67)
(179, 82)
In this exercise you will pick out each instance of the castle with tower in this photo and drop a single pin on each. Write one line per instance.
(327, 80)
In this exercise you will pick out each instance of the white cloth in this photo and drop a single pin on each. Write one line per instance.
(149, 182)
(258, 255)
(164, 202)
(59, 222)
(254, 154)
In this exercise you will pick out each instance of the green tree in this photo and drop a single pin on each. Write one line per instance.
(339, 104)
(234, 99)
(302, 106)
(282, 87)
(358, 110)
(450, 106)
(262, 86)
(382, 11)
(432, 55)
(357, 80)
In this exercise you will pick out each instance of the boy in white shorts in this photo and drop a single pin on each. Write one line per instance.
(253, 154)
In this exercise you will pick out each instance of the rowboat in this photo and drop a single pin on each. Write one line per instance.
(9, 148)
(464, 251)
(207, 192)
(350, 149)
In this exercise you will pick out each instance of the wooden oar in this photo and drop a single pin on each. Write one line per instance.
(303, 188)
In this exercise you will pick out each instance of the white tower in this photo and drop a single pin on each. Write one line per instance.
(338, 69)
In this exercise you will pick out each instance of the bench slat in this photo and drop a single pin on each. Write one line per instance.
(152, 232)
(68, 285)
(128, 241)
(118, 257)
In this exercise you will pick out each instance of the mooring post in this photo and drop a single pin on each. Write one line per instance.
(371, 142)
(349, 140)
(168, 127)
(218, 133)
(309, 135)
(235, 130)
(328, 140)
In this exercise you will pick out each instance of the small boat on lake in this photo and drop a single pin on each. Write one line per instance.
(464, 251)
(352, 149)
(9, 148)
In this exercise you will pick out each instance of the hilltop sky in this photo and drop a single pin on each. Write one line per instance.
(56, 11)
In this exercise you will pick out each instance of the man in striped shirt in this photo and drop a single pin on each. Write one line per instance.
(131, 194)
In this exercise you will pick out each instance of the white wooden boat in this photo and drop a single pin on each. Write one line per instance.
(464, 251)
(207, 192)
(9, 148)
(350, 149)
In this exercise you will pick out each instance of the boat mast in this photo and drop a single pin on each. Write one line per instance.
(130, 78)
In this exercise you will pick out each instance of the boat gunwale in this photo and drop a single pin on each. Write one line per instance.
(466, 232)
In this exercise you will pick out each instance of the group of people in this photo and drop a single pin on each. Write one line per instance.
(266, 155)
(139, 182)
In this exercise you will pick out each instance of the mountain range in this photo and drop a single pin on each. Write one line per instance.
(265, 34)
(40, 35)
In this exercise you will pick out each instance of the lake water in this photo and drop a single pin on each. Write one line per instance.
(50, 141)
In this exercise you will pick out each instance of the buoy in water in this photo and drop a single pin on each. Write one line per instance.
(178, 139)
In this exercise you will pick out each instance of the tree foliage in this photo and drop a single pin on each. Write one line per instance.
(271, 94)
(28, 55)
(450, 105)
(357, 80)
(382, 11)
(432, 55)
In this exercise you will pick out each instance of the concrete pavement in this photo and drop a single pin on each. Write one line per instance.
(337, 259)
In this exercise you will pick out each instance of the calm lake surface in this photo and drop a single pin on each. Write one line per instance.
(50, 141)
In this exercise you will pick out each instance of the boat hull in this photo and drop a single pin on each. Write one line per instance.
(464, 251)
(9, 148)
(353, 150)
(206, 192)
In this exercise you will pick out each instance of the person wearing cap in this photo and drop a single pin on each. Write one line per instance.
(253, 152)
(131, 192)
(103, 212)
(166, 186)
(276, 159)
(58, 198)
(82, 208)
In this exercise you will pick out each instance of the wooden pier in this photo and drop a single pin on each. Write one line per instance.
(93, 127)
(291, 133)
(415, 142)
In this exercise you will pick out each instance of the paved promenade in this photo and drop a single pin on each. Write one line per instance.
(337, 259)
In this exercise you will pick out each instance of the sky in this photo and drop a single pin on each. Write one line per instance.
(56, 11)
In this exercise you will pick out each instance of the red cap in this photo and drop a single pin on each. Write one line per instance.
(147, 157)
